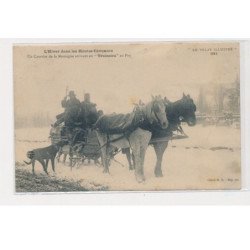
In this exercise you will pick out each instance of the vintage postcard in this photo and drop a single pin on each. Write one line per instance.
(147, 116)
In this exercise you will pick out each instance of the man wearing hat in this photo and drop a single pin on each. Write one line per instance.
(72, 107)
(88, 107)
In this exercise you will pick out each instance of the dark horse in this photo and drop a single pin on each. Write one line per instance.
(177, 112)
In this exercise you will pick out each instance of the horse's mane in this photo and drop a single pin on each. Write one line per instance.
(141, 116)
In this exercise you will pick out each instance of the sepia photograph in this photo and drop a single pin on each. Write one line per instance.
(139, 116)
(124, 124)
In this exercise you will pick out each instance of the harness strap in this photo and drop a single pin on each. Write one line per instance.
(110, 141)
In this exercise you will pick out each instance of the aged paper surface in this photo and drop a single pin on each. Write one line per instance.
(121, 78)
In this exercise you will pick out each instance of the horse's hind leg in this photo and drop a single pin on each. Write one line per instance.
(159, 148)
(97, 162)
(128, 155)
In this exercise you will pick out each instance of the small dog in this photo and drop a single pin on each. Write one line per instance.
(43, 155)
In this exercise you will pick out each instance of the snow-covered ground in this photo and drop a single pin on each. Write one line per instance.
(187, 164)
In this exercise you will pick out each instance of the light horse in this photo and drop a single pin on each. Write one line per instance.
(137, 139)
(182, 110)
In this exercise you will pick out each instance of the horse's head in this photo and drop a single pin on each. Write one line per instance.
(188, 109)
(156, 112)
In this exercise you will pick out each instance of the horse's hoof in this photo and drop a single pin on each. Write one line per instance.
(105, 171)
(140, 178)
(158, 173)
(131, 168)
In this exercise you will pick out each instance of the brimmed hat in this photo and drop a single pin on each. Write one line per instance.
(71, 93)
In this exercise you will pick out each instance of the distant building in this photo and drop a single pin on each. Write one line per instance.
(223, 97)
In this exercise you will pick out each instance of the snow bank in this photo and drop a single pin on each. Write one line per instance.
(187, 163)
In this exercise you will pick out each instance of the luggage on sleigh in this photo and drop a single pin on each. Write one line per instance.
(84, 146)
(119, 123)
(58, 134)
(88, 148)
(83, 143)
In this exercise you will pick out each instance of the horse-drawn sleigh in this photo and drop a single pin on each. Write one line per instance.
(153, 123)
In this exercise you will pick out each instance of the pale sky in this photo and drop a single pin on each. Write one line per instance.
(168, 69)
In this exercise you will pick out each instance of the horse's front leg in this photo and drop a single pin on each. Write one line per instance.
(139, 175)
(159, 148)
(102, 138)
(128, 155)
(135, 147)
(143, 148)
